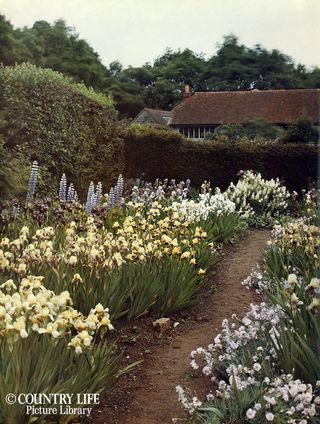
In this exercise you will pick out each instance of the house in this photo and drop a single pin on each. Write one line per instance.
(204, 111)
(152, 116)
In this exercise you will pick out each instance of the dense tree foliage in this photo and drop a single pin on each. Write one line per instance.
(158, 85)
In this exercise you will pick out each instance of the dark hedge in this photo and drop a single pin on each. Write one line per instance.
(153, 153)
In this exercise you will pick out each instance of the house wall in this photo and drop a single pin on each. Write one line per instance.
(194, 132)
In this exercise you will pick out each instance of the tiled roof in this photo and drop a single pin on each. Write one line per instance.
(276, 106)
(157, 115)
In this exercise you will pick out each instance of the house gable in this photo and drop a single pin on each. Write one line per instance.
(153, 116)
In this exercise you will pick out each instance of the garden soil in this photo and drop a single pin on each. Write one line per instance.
(147, 394)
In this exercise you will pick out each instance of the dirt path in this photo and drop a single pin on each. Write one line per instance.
(152, 398)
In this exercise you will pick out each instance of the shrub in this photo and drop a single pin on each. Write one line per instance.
(151, 153)
(261, 128)
(13, 172)
(230, 132)
(301, 131)
(65, 126)
(257, 199)
(254, 129)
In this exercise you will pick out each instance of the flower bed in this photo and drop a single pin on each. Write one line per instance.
(267, 369)
(146, 251)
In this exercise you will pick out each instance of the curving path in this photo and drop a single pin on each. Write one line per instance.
(153, 399)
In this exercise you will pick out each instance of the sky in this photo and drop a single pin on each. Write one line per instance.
(137, 31)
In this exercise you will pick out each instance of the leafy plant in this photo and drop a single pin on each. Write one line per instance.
(39, 364)
(223, 228)
(297, 339)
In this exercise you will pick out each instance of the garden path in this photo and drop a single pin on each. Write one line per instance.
(152, 398)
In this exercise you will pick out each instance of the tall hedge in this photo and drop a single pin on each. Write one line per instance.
(65, 126)
(161, 153)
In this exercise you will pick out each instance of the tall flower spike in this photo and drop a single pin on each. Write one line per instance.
(111, 199)
(98, 193)
(32, 181)
(63, 188)
(119, 190)
(90, 198)
(71, 193)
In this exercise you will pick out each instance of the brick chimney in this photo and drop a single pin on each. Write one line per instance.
(186, 93)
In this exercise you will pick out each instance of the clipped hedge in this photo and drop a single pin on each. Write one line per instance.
(65, 126)
(160, 153)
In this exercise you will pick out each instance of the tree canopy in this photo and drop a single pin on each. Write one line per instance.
(159, 85)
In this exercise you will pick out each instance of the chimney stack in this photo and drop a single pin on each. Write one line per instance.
(186, 93)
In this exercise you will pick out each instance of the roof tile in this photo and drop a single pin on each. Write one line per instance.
(276, 106)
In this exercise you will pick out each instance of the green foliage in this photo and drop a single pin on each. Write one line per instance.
(145, 143)
(261, 128)
(301, 131)
(297, 343)
(40, 364)
(222, 228)
(177, 284)
(158, 85)
(279, 260)
(227, 132)
(163, 153)
(233, 409)
(64, 126)
(297, 340)
(256, 129)
(54, 46)
(13, 172)
(157, 286)
(294, 251)
(12, 49)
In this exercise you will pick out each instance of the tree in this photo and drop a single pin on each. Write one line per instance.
(234, 66)
(63, 51)
(12, 50)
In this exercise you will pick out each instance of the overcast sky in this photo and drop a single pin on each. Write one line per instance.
(137, 31)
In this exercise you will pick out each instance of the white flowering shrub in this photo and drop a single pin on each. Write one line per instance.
(206, 205)
(258, 200)
(214, 213)
(250, 387)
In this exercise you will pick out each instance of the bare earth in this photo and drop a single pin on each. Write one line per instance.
(151, 397)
